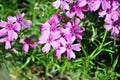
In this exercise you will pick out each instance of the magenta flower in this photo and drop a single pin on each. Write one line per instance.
(52, 24)
(115, 26)
(49, 40)
(25, 23)
(76, 10)
(63, 4)
(73, 29)
(28, 42)
(67, 47)
(7, 42)
(94, 4)
(9, 28)
(111, 13)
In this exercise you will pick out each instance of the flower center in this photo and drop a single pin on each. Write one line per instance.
(9, 26)
(52, 29)
(19, 20)
(49, 40)
(68, 46)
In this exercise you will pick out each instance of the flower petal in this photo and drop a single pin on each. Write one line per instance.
(7, 45)
(2, 31)
(27, 23)
(25, 47)
(76, 47)
(46, 48)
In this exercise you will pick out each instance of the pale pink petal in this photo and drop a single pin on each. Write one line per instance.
(105, 5)
(64, 6)
(55, 44)
(12, 35)
(108, 27)
(76, 47)
(45, 26)
(46, 48)
(3, 24)
(56, 4)
(2, 31)
(56, 35)
(108, 18)
(22, 41)
(25, 47)
(70, 14)
(3, 39)
(11, 19)
(80, 14)
(34, 45)
(60, 51)
(115, 15)
(102, 13)
(82, 3)
(27, 23)
(7, 45)
(63, 41)
(17, 26)
(95, 6)
(68, 25)
(70, 54)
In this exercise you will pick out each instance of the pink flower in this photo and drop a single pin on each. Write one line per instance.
(24, 23)
(67, 47)
(73, 29)
(7, 42)
(75, 9)
(28, 42)
(49, 40)
(115, 26)
(52, 24)
(63, 4)
(9, 28)
(111, 12)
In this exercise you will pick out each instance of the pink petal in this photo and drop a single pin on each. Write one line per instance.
(22, 41)
(82, 3)
(60, 51)
(3, 39)
(7, 45)
(43, 39)
(17, 26)
(12, 35)
(11, 19)
(76, 47)
(102, 13)
(108, 27)
(27, 23)
(55, 44)
(34, 45)
(80, 14)
(46, 48)
(56, 35)
(56, 4)
(70, 54)
(70, 14)
(68, 25)
(108, 18)
(2, 31)
(64, 6)
(95, 6)
(63, 41)
(3, 24)
(25, 47)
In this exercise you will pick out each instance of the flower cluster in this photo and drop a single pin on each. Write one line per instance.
(61, 38)
(108, 9)
(9, 30)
